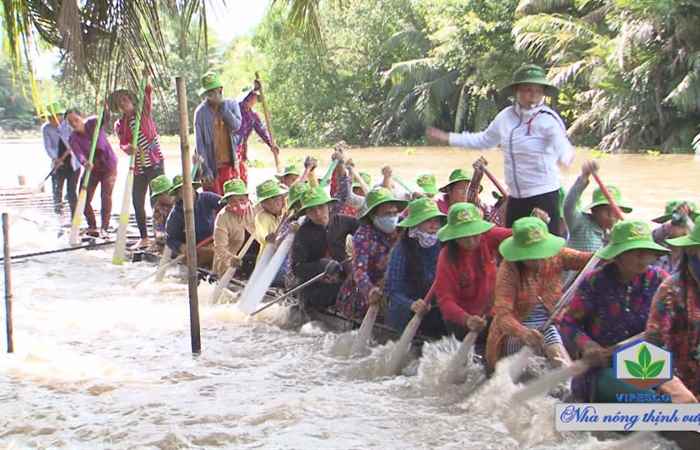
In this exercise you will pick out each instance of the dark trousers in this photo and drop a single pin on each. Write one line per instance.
(138, 195)
(106, 181)
(522, 207)
(70, 178)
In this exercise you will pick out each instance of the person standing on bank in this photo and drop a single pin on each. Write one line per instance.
(66, 166)
(534, 142)
(148, 158)
(216, 121)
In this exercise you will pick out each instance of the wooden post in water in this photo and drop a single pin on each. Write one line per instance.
(188, 203)
(8, 280)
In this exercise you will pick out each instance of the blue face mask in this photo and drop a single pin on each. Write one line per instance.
(386, 224)
(694, 265)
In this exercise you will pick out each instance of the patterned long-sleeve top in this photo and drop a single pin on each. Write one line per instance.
(400, 289)
(371, 249)
(250, 121)
(584, 233)
(606, 311)
(148, 153)
(674, 324)
(517, 294)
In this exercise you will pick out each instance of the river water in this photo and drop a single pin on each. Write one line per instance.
(100, 364)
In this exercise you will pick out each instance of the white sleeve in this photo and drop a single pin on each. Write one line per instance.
(488, 138)
(556, 133)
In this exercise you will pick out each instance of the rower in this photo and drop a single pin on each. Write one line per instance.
(428, 185)
(272, 208)
(675, 306)
(371, 243)
(528, 285)
(162, 203)
(466, 270)
(319, 245)
(289, 175)
(674, 223)
(612, 304)
(411, 269)
(206, 206)
(589, 228)
(233, 224)
(534, 142)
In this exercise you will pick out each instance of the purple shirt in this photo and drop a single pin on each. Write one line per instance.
(105, 160)
(250, 121)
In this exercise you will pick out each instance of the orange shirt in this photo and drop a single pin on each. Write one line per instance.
(222, 141)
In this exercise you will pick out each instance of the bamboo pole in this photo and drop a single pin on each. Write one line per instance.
(7, 263)
(188, 203)
(268, 122)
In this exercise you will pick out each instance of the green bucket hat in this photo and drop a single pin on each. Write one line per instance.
(428, 183)
(530, 74)
(671, 208)
(629, 235)
(291, 169)
(689, 240)
(233, 187)
(159, 185)
(463, 220)
(54, 109)
(296, 192)
(456, 176)
(531, 240)
(367, 178)
(379, 196)
(210, 81)
(314, 197)
(599, 199)
(178, 181)
(420, 210)
(269, 189)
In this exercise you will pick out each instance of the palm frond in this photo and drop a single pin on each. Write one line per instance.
(686, 95)
(542, 6)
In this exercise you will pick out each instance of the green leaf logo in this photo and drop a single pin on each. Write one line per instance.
(644, 368)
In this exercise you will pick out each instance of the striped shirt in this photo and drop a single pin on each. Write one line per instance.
(143, 157)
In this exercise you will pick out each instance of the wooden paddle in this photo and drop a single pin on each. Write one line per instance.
(404, 343)
(363, 336)
(268, 122)
(230, 272)
(546, 382)
(452, 373)
(82, 197)
(120, 246)
(161, 270)
(167, 256)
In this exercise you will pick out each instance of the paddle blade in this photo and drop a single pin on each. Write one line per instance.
(223, 282)
(164, 263)
(120, 245)
(250, 303)
(362, 339)
(77, 219)
(455, 368)
(403, 345)
(548, 381)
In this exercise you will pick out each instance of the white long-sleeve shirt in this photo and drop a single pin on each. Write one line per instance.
(533, 141)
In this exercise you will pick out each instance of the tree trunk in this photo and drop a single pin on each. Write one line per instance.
(462, 114)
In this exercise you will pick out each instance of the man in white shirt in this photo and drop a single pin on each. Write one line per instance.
(65, 166)
(534, 143)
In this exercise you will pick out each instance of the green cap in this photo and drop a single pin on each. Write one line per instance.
(531, 240)
(269, 189)
(210, 81)
(54, 109)
(456, 176)
(159, 185)
(599, 199)
(420, 210)
(233, 187)
(291, 169)
(367, 178)
(178, 181)
(428, 183)
(296, 192)
(530, 74)
(689, 240)
(379, 196)
(314, 197)
(629, 235)
(463, 220)
(672, 206)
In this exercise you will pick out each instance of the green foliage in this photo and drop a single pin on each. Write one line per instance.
(644, 368)
(16, 110)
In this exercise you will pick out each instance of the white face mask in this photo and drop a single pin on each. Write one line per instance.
(386, 224)
(425, 240)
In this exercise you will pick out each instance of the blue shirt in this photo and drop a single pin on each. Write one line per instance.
(206, 206)
(53, 135)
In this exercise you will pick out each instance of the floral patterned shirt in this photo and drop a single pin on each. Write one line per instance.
(674, 323)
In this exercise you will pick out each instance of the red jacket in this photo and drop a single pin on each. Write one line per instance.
(148, 128)
(467, 287)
